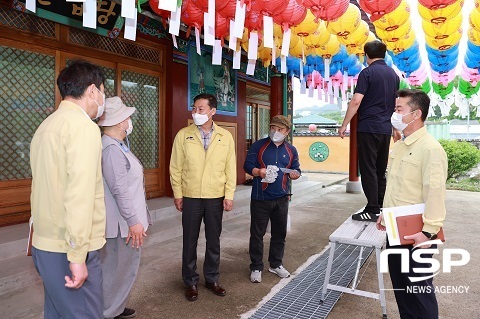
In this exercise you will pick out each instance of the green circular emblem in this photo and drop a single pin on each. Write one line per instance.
(318, 151)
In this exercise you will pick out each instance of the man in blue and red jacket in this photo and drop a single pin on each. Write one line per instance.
(269, 201)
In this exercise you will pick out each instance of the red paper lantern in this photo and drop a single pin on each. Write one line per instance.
(226, 9)
(291, 16)
(436, 4)
(222, 27)
(312, 127)
(201, 4)
(254, 20)
(269, 7)
(377, 8)
(191, 15)
(327, 10)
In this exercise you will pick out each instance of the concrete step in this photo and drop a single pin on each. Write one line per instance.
(17, 270)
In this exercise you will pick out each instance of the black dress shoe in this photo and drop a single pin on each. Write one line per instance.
(191, 293)
(127, 314)
(216, 288)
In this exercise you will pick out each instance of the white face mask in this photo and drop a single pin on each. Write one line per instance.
(129, 130)
(101, 108)
(200, 119)
(276, 136)
(397, 121)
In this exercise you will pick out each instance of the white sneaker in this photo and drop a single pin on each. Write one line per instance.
(256, 276)
(280, 271)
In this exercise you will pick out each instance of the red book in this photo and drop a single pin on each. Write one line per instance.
(412, 224)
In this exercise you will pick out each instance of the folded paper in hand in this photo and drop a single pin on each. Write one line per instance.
(402, 221)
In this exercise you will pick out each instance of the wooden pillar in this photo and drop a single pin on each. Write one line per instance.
(276, 95)
(353, 156)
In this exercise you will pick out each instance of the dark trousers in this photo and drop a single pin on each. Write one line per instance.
(211, 212)
(372, 160)
(261, 212)
(415, 300)
(85, 302)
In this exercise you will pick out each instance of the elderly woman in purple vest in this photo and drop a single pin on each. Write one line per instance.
(127, 212)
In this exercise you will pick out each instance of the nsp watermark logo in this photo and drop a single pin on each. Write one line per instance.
(448, 260)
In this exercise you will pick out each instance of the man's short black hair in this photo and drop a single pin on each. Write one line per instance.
(75, 78)
(212, 100)
(375, 49)
(418, 100)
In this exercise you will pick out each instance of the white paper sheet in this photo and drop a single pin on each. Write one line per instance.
(128, 9)
(131, 28)
(169, 5)
(90, 14)
(286, 42)
(31, 5)
(217, 53)
(268, 32)
(253, 46)
(237, 55)
(174, 22)
(208, 31)
(251, 66)
(239, 19)
(232, 41)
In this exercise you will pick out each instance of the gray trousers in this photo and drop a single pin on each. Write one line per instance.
(85, 302)
(120, 265)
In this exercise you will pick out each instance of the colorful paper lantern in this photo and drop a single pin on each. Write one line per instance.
(435, 4)
(319, 37)
(394, 19)
(291, 16)
(346, 23)
(327, 10)
(440, 14)
(377, 8)
(394, 35)
(440, 30)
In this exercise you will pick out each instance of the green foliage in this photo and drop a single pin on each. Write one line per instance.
(462, 156)
(470, 185)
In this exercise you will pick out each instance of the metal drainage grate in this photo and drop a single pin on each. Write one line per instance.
(300, 298)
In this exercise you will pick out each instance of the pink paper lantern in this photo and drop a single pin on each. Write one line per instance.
(312, 127)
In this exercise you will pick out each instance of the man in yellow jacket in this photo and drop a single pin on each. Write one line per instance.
(67, 200)
(203, 177)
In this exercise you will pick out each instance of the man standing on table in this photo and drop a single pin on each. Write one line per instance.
(276, 161)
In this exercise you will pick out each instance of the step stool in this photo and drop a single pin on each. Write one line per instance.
(363, 234)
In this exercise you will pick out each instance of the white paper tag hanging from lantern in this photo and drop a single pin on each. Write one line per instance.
(174, 22)
(174, 40)
(232, 41)
(251, 66)
(237, 55)
(239, 19)
(326, 63)
(128, 9)
(130, 28)
(268, 32)
(283, 64)
(197, 41)
(310, 90)
(286, 42)
(169, 5)
(303, 86)
(274, 56)
(208, 31)
(320, 89)
(217, 53)
(211, 13)
(253, 46)
(301, 70)
(31, 5)
(90, 14)
(335, 90)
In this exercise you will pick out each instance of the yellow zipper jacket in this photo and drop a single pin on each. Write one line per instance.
(199, 173)
(67, 199)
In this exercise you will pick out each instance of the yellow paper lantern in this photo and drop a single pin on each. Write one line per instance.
(474, 36)
(398, 33)
(401, 44)
(265, 54)
(319, 37)
(300, 50)
(441, 14)
(357, 37)
(394, 19)
(308, 26)
(328, 50)
(474, 19)
(359, 49)
(243, 42)
(443, 43)
(438, 30)
(346, 23)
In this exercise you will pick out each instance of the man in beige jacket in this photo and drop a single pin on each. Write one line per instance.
(67, 199)
(203, 177)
